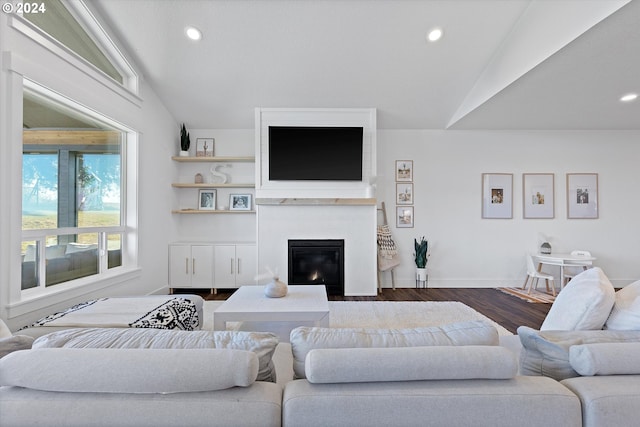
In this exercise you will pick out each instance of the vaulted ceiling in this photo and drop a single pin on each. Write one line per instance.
(501, 64)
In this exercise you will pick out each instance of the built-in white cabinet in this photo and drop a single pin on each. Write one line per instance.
(235, 265)
(211, 265)
(191, 266)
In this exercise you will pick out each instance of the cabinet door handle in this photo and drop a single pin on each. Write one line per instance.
(238, 266)
(193, 266)
(186, 266)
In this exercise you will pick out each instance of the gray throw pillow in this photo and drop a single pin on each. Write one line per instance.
(546, 353)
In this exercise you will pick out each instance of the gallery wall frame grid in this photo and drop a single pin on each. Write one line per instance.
(405, 213)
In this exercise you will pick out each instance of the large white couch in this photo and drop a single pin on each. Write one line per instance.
(427, 376)
(456, 374)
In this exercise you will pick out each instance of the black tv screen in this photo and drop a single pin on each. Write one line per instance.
(315, 153)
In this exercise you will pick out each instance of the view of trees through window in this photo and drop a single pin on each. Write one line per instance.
(71, 194)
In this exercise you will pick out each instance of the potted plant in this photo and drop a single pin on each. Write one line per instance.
(185, 142)
(421, 257)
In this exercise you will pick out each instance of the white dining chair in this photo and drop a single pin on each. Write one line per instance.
(574, 268)
(533, 275)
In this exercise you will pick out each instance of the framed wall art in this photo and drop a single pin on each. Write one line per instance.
(204, 147)
(497, 195)
(207, 199)
(240, 202)
(582, 195)
(404, 216)
(538, 197)
(404, 170)
(404, 193)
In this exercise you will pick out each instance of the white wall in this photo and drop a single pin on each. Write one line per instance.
(467, 251)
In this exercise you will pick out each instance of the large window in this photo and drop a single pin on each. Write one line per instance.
(72, 193)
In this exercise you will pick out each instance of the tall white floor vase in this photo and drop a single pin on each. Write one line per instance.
(422, 277)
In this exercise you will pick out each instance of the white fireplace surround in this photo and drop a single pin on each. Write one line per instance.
(298, 210)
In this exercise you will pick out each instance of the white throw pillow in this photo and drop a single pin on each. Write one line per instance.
(262, 343)
(136, 370)
(606, 358)
(584, 304)
(625, 315)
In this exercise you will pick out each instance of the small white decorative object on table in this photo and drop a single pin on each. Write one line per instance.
(274, 287)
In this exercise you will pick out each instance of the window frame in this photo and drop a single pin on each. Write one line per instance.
(130, 87)
(128, 218)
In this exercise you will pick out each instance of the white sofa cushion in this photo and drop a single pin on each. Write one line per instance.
(261, 343)
(357, 365)
(606, 359)
(304, 339)
(626, 310)
(128, 370)
(546, 353)
(584, 304)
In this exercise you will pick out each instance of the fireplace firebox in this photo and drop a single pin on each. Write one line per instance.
(317, 262)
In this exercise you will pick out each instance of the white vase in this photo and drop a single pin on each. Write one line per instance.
(421, 277)
(184, 153)
(276, 289)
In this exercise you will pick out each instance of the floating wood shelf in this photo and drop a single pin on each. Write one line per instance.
(213, 159)
(197, 211)
(206, 185)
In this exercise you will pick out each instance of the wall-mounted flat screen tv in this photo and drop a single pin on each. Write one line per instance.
(299, 153)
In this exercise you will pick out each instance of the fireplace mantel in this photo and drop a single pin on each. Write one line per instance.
(296, 201)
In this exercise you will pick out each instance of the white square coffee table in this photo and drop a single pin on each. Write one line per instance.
(304, 305)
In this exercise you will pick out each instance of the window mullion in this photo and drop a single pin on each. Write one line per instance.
(66, 190)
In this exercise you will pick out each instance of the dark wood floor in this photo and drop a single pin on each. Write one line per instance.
(507, 310)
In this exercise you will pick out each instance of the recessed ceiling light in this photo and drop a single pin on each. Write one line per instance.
(434, 35)
(629, 97)
(193, 33)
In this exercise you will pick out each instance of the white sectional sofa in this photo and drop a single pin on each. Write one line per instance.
(457, 374)
(452, 375)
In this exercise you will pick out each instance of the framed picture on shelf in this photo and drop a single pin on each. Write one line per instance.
(404, 216)
(538, 197)
(207, 199)
(497, 195)
(582, 195)
(204, 147)
(404, 170)
(240, 202)
(404, 193)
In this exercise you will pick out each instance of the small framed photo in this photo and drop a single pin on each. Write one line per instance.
(404, 193)
(240, 202)
(497, 195)
(404, 170)
(404, 216)
(204, 147)
(582, 195)
(538, 195)
(207, 199)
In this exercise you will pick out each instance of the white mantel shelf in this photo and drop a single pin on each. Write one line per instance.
(316, 201)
